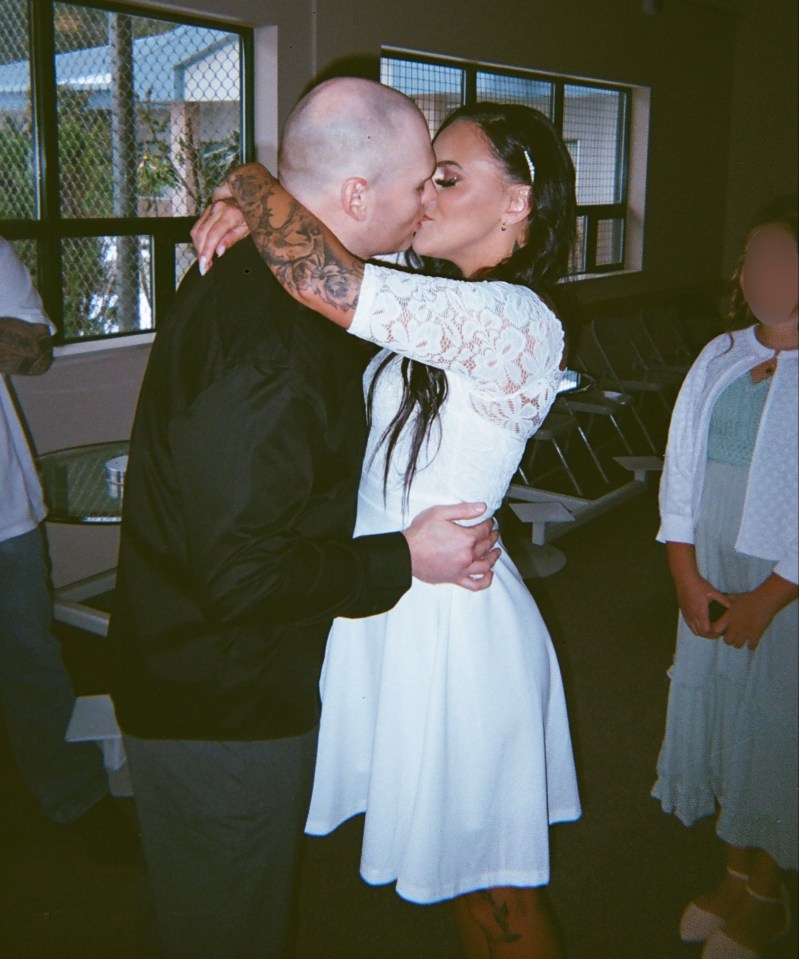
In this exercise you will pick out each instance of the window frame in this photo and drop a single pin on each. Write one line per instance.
(594, 213)
(50, 228)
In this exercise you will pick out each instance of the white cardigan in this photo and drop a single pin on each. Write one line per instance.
(769, 523)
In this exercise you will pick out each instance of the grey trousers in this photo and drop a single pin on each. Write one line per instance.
(222, 832)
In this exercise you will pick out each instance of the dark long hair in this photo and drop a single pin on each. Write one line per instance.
(510, 130)
(739, 315)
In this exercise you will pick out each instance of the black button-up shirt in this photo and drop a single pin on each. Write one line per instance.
(240, 498)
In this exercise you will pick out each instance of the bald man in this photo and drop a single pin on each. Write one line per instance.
(236, 546)
(366, 174)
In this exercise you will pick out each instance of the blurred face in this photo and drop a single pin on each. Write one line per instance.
(472, 199)
(403, 192)
(770, 275)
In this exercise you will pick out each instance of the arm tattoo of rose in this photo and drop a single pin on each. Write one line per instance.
(307, 260)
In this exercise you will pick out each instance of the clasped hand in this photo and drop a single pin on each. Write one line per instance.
(746, 618)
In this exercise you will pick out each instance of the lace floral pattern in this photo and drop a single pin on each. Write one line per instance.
(501, 337)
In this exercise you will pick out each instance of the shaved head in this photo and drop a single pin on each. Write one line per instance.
(358, 155)
(344, 127)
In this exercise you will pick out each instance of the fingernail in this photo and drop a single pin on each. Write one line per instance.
(220, 249)
(203, 265)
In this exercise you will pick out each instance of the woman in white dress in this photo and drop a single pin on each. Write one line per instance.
(444, 719)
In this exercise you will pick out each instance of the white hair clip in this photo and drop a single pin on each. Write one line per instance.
(530, 167)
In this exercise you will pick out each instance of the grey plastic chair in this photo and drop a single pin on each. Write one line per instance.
(607, 399)
(556, 427)
(661, 330)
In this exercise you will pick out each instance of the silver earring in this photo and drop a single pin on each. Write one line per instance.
(503, 226)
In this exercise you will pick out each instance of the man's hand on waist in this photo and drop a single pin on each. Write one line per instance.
(442, 551)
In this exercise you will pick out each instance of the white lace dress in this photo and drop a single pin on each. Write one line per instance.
(444, 719)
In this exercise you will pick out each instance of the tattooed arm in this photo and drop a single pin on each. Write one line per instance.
(308, 261)
(25, 348)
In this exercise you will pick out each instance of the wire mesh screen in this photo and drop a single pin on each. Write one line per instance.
(506, 89)
(136, 119)
(578, 260)
(593, 128)
(17, 183)
(593, 124)
(609, 241)
(107, 287)
(149, 113)
(436, 88)
(27, 253)
(184, 259)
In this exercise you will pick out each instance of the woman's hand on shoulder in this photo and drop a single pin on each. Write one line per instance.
(220, 226)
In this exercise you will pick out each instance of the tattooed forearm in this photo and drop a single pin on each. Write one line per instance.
(25, 348)
(305, 257)
(500, 914)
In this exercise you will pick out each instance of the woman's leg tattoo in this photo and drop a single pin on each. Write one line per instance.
(500, 913)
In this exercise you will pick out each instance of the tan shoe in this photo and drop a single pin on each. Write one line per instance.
(698, 924)
(720, 946)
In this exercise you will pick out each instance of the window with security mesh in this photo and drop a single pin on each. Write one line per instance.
(593, 119)
(114, 129)
(438, 89)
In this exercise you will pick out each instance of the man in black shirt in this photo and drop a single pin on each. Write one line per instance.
(237, 551)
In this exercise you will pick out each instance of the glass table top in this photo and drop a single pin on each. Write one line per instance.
(78, 488)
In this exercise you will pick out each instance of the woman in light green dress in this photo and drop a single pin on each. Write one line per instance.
(729, 517)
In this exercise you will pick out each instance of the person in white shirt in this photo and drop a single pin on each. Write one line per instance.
(67, 780)
(728, 502)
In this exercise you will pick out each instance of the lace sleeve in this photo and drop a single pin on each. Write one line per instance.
(501, 336)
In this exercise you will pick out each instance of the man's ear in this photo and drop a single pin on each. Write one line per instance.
(519, 203)
(355, 198)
